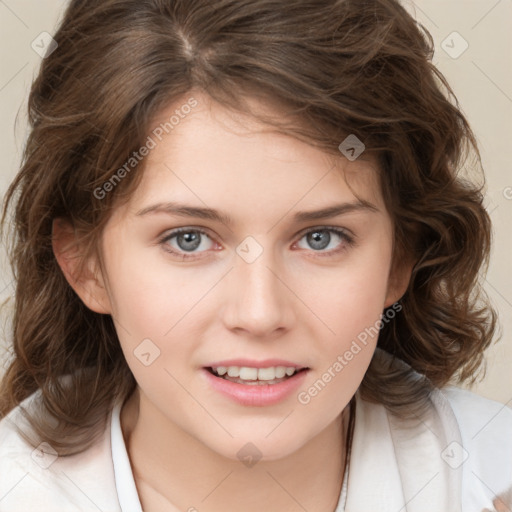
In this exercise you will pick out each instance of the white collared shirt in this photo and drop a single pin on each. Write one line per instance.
(458, 457)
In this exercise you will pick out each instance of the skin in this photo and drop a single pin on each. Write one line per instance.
(295, 302)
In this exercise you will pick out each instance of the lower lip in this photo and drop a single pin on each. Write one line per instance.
(256, 395)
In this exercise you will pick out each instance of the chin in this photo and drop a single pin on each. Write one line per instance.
(252, 449)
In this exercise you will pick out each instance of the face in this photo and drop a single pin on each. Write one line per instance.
(258, 285)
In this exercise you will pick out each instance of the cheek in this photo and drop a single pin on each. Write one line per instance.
(351, 306)
(148, 293)
(351, 309)
(157, 312)
(352, 298)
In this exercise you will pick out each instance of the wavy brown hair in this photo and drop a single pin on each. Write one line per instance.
(336, 67)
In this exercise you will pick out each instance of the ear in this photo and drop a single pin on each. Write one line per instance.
(398, 281)
(89, 285)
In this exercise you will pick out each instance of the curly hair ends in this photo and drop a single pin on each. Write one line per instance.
(339, 67)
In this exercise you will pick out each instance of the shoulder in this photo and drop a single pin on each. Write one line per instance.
(478, 416)
(482, 422)
(37, 478)
(486, 433)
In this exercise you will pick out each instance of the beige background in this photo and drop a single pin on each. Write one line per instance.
(481, 77)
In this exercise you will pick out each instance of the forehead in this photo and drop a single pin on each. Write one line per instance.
(214, 153)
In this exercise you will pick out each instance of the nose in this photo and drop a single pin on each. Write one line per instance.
(259, 301)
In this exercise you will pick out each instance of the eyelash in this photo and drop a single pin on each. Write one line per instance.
(347, 240)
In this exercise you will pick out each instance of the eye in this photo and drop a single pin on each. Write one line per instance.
(185, 242)
(321, 238)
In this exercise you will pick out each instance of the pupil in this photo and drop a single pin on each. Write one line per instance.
(315, 239)
(191, 240)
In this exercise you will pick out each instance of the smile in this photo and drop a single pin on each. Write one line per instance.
(255, 386)
(255, 376)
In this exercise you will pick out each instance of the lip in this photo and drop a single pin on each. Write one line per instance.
(266, 363)
(255, 395)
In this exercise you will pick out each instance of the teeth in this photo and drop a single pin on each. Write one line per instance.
(234, 371)
(270, 373)
(247, 373)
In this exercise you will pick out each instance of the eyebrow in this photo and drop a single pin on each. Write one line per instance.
(183, 210)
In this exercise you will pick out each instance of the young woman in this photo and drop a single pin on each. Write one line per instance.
(247, 268)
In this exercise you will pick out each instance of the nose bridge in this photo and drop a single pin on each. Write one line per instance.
(258, 300)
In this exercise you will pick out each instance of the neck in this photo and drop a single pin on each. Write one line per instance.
(173, 468)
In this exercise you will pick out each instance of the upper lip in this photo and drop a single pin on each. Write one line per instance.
(251, 363)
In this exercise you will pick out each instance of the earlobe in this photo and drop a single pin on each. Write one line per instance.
(87, 282)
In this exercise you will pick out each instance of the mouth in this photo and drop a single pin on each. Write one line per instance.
(251, 376)
(254, 383)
